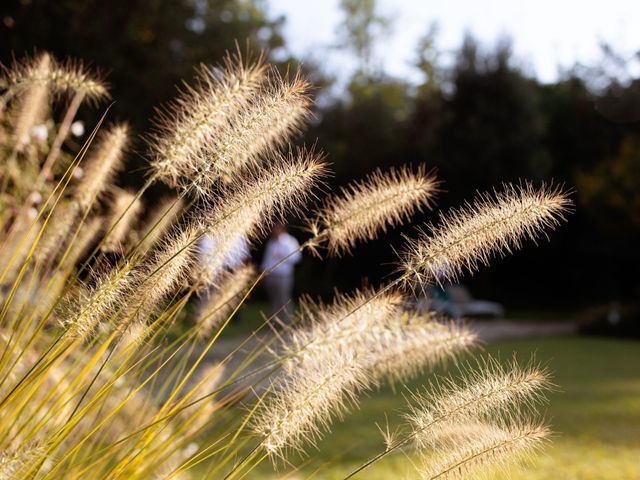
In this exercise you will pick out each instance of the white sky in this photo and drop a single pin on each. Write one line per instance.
(546, 33)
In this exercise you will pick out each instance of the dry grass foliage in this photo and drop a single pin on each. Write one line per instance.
(103, 374)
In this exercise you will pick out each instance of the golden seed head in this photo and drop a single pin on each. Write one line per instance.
(186, 126)
(105, 159)
(304, 403)
(488, 448)
(90, 306)
(490, 389)
(249, 205)
(59, 77)
(493, 225)
(364, 209)
(166, 268)
(32, 102)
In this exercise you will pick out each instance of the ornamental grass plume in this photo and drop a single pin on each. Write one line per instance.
(185, 127)
(364, 209)
(32, 104)
(493, 225)
(452, 418)
(163, 271)
(391, 344)
(343, 325)
(15, 460)
(72, 76)
(414, 344)
(254, 132)
(496, 448)
(303, 404)
(26, 73)
(59, 78)
(248, 209)
(488, 390)
(104, 160)
(91, 305)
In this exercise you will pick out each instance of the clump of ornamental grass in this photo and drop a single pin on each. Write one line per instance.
(103, 162)
(104, 372)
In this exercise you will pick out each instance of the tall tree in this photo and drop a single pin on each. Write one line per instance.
(363, 25)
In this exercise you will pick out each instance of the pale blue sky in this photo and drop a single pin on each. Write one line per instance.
(546, 33)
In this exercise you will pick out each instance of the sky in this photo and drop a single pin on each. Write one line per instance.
(547, 35)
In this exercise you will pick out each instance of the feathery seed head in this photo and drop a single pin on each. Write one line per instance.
(410, 345)
(366, 208)
(496, 447)
(105, 159)
(186, 127)
(92, 305)
(32, 103)
(14, 462)
(256, 130)
(74, 77)
(221, 302)
(493, 225)
(346, 325)
(165, 269)
(303, 403)
(58, 78)
(390, 344)
(489, 389)
(25, 73)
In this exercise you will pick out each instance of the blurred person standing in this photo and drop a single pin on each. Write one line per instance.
(213, 267)
(281, 254)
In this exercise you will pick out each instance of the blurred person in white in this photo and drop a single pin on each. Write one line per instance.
(237, 256)
(280, 257)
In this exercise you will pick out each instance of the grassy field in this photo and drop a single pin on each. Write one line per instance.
(595, 414)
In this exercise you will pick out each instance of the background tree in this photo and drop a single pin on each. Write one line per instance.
(147, 47)
(362, 27)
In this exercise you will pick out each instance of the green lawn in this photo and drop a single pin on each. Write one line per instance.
(596, 417)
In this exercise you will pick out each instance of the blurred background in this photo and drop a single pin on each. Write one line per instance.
(481, 92)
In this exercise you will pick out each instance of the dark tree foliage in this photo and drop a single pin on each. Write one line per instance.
(488, 121)
(146, 46)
